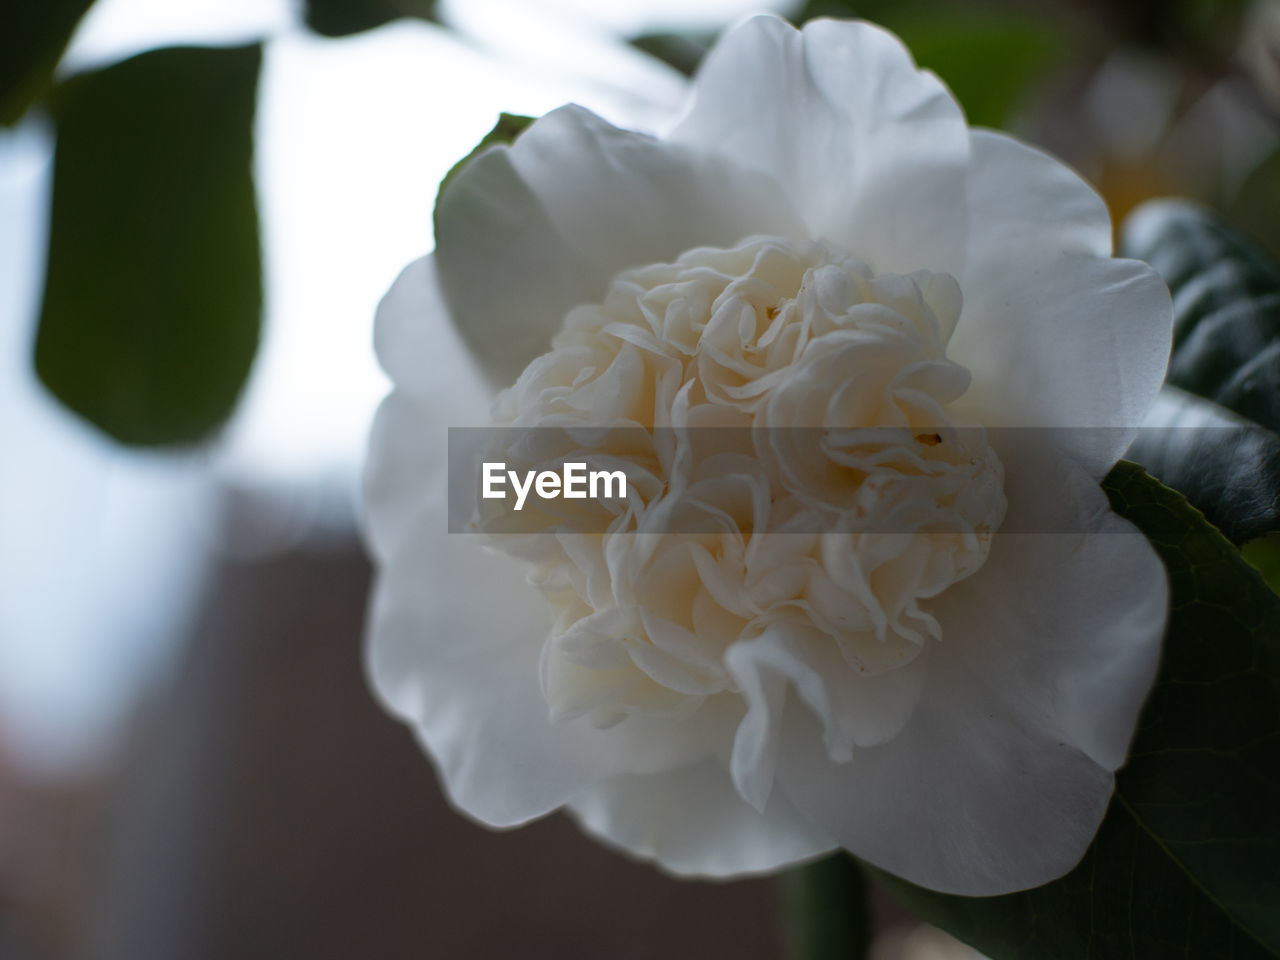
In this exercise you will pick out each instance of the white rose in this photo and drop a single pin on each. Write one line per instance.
(941, 666)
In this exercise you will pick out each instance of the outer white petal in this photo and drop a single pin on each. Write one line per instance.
(455, 631)
(1055, 332)
(1001, 777)
(693, 822)
(422, 353)
(526, 232)
(1027, 208)
(437, 385)
(871, 149)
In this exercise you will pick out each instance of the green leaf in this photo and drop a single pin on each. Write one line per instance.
(826, 908)
(989, 55)
(340, 18)
(1187, 862)
(1224, 455)
(989, 60)
(683, 51)
(1257, 202)
(1228, 467)
(1263, 555)
(505, 131)
(31, 43)
(1226, 306)
(153, 291)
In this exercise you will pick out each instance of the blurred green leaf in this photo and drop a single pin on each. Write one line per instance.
(826, 909)
(683, 51)
(1256, 207)
(340, 18)
(988, 60)
(988, 55)
(1208, 29)
(1185, 864)
(153, 290)
(32, 40)
(508, 127)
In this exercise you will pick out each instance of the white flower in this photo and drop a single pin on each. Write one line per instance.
(941, 668)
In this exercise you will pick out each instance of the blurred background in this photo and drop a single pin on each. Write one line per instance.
(200, 205)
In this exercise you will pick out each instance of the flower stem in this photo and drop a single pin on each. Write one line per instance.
(826, 910)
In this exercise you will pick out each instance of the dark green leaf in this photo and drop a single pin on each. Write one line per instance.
(31, 43)
(1187, 863)
(1256, 206)
(340, 18)
(1226, 305)
(1224, 455)
(679, 50)
(1263, 555)
(1228, 467)
(153, 291)
(508, 127)
(825, 904)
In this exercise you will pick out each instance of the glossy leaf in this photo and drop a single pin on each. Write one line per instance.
(32, 40)
(1223, 454)
(153, 290)
(1228, 467)
(1187, 862)
(1226, 302)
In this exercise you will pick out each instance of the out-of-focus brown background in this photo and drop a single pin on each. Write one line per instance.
(191, 765)
(295, 819)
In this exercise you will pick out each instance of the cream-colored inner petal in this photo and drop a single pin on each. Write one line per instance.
(787, 413)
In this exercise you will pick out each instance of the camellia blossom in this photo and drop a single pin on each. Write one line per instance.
(943, 686)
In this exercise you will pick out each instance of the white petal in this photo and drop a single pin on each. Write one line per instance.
(453, 643)
(1055, 333)
(527, 232)
(455, 634)
(1001, 777)
(422, 353)
(437, 386)
(1076, 618)
(754, 760)
(1026, 209)
(872, 150)
(693, 823)
(855, 710)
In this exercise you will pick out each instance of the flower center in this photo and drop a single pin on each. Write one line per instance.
(805, 475)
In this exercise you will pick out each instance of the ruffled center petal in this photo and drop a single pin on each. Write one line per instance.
(800, 494)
